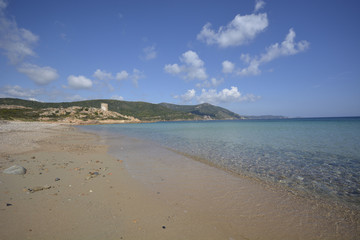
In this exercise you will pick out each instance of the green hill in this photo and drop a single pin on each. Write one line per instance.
(204, 110)
(140, 110)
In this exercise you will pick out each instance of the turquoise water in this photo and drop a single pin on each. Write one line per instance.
(319, 157)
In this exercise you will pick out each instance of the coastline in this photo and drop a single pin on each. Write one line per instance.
(232, 203)
(131, 198)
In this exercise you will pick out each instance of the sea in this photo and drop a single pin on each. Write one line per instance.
(313, 157)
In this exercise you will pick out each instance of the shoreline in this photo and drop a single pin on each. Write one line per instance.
(307, 188)
(190, 201)
(106, 122)
(167, 167)
(306, 196)
(325, 201)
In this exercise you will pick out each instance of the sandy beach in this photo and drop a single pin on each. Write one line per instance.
(80, 186)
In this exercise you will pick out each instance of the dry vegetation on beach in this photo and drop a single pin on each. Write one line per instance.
(73, 115)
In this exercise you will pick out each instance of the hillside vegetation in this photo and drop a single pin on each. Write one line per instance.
(205, 110)
(18, 109)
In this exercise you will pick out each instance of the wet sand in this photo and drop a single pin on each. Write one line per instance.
(142, 191)
(231, 206)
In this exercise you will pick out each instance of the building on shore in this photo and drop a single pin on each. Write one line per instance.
(104, 107)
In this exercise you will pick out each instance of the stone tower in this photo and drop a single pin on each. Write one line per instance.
(104, 107)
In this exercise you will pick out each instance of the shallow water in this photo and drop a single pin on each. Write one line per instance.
(220, 205)
(315, 157)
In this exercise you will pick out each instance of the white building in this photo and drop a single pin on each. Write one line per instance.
(104, 107)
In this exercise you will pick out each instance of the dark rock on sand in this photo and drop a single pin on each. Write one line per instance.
(16, 169)
(38, 188)
(92, 175)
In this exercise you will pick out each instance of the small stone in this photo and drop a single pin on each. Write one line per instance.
(300, 178)
(16, 169)
(39, 188)
(163, 227)
(8, 204)
(92, 175)
(57, 179)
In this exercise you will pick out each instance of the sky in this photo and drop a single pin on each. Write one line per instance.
(296, 58)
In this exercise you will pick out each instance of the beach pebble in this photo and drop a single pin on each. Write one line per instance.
(57, 179)
(38, 188)
(8, 204)
(16, 169)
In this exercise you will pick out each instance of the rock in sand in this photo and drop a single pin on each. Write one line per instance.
(16, 169)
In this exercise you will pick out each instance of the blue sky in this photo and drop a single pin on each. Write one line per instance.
(292, 58)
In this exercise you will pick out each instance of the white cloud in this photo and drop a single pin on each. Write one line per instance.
(215, 82)
(79, 82)
(107, 76)
(137, 74)
(188, 96)
(102, 75)
(213, 96)
(40, 75)
(212, 83)
(73, 98)
(252, 69)
(149, 53)
(173, 69)
(34, 99)
(17, 43)
(64, 37)
(192, 67)
(123, 75)
(224, 96)
(259, 4)
(116, 97)
(3, 4)
(245, 58)
(228, 67)
(51, 94)
(239, 31)
(19, 92)
(286, 48)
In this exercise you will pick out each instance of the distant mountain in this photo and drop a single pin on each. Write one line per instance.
(33, 110)
(204, 110)
(265, 117)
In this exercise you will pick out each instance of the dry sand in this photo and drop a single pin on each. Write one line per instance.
(166, 197)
